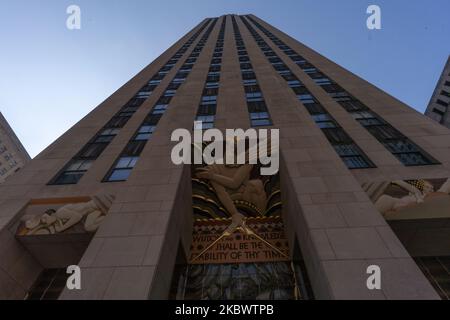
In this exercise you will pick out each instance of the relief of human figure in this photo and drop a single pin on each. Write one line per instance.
(58, 221)
(418, 193)
(231, 183)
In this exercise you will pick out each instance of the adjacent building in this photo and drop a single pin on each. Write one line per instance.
(438, 109)
(13, 155)
(363, 185)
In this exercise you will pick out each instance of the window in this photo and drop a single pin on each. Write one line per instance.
(213, 78)
(307, 66)
(442, 103)
(297, 59)
(352, 105)
(275, 60)
(384, 132)
(154, 82)
(256, 106)
(407, 152)
(250, 82)
(260, 119)
(186, 68)
(207, 122)
(73, 172)
(352, 156)
(144, 133)
(157, 77)
(159, 109)
(134, 148)
(281, 67)
(439, 112)
(170, 93)
(300, 90)
(106, 135)
(445, 93)
(310, 70)
(246, 66)
(122, 169)
(180, 76)
(212, 85)
(206, 109)
(178, 80)
(214, 69)
(337, 136)
(49, 285)
(254, 96)
(366, 118)
(210, 92)
(209, 100)
(306, 98)
(145, 92)
(401, 147)
(270, 54)
(248, 75)
(135, 102)
(324, 121)
(294, 83)
(152, 119)
(92, 150)
(437, 271)
(315, 108)
(253, 88)
(288, 76)
(323, 81)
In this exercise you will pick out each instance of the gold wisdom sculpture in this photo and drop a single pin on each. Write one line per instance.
(232, 183)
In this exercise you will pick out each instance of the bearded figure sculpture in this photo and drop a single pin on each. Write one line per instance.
(66, 217)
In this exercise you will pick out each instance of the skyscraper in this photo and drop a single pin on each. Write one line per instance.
(438, 107)
(362, 192)
(13, 155)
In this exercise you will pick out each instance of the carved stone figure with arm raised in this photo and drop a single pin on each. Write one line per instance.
(69, 215)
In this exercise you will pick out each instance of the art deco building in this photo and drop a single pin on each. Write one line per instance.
(363, 182)
(13, 155)
(438, 109)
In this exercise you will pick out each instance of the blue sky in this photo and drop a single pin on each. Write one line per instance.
(51, 77)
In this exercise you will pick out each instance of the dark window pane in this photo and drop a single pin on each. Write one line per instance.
(120, 175)
(337, 136)
(69, 177)
(93, 150)
(134, 148)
